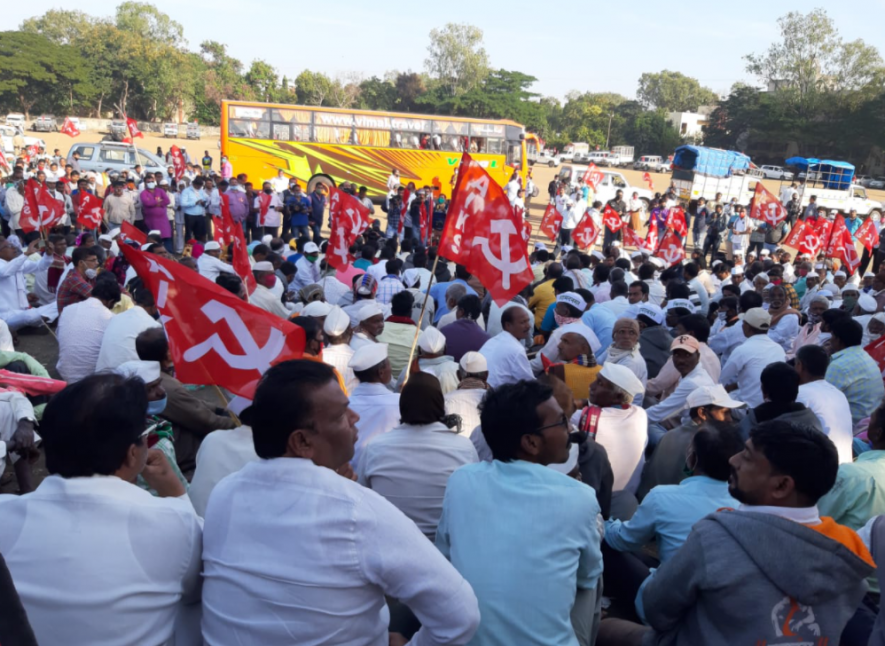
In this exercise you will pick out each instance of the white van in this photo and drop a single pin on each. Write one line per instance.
(648, 162)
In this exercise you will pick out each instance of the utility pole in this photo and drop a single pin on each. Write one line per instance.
(609, 135)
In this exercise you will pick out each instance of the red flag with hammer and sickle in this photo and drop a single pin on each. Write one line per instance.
(670, 249)
(349, 218)
(867, 235)
(766, 207)
(611, 219)
(586, 233)
(484, 234)
(676, 221)
(129, 232)
(90, 212)
(215, 338)
(592, 176)
(551, 222)
(69, 128)
(178, 163)
(41, 211)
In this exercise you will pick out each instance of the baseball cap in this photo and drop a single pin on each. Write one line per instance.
(712, 396)
(651, 311)
(311, 247)
(757, 318)
(685, 342)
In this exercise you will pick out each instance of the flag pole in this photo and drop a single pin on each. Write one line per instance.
(226, 404)
(420, 318)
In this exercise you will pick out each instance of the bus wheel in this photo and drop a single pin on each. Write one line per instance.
(319, 179)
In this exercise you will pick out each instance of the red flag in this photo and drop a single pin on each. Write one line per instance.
(214, 337)
(841, 246)
(632, 239)
(132, 127)
(239, 252)
(41, 210)
(586, 233)
(823, 228)
(804, 238)
(676, 221)
(766, 207)
(424, 221)
(651, 238)
(69, 128)
(30, 384)
(3, 161)
(349, 218)
(526, 231)
(551, 222)
(834, 239)
(402, 217)
(876, 350)
(90, 212)
(867, 235)
(647, 179)
(129, 232)
(592, 176)
(483, 233)
(177, 162)
(670, 249)
(611, 219)
(223, 222)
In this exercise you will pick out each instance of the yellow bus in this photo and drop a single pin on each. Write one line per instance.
(332, 145)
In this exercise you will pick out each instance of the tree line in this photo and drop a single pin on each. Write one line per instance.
(821, 93)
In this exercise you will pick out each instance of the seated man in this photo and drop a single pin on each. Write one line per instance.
(304, 432)
(118, 342)
(516, 511)
(853, 371)
(433, 360)
(668, 512)
(666, 465)
(399, 330)
(780, 388)
(505, 352)
(81, 329)
(473, 374)
(577, 366)
(824, 399)
(92, 555)
(376, 405)
(735, 580)
(191, 417)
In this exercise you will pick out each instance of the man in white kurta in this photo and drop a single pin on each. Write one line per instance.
(376, 404)
(747, 361)
(474, 375)
(15, 307)
(118, 342)
(210, 265)
(824, 399)
(339, 353)
(81, 329)
(221, 453)
(505, 353)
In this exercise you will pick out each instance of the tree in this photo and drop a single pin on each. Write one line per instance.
(262, 78)
(673, 92)
(408, 86)
(376, 94)
(457, 58)
(152, 24)
(312, 88)
(60, 26)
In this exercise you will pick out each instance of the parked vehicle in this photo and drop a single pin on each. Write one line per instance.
(104, 155)
(544, 158)
(647, 162)
(193, 131)
(118, 130)
(664, 166)
(776, 172)
(623, 156)
(45, 123)
(15, 119)
(570, 151)
(834, 185)
(7, 133)
(170, 130)
(612, 181)
(598, 157)
(704, 172)
(863, 180)
(877, 183)
(75, 121)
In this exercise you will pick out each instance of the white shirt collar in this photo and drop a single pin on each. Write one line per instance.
(802, 515)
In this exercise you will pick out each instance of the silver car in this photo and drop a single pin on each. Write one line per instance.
(109, 155)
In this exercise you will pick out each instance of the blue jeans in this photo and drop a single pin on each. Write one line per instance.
(391, 231)
(301, 230)
(655, 433)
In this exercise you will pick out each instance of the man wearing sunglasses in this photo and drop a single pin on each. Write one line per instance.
(540, 526)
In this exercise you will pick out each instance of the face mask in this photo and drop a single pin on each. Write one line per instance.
(849, 302)
(270, 280)
(268, 191)
(156, 407)
(91, 273)
(562, 320)
(312, 258)
(151, 185)
(722, 316)
(814, 319)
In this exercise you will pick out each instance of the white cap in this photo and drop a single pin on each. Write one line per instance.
(569, 465)
(316, 309)
(684, 303)
(652, 311)
(879, 316)
(869, 274)
(432, 341)
(411, 277)
(841, 274)
(867, 303)
(574, 299)
(370, 309)
(616, 243)
(115, 233)
(368, 356)
(154, 232)
(820, 265)
(105, 237)
(737, 270)
(636, 254)
(757, 318)
(763, 277)
(539, 246)
(337, 322)
(596, 254)
(147, 245)
(712, 396)
(266, 239)
(263, 265)
(311, 247)
(715, 263)
(851, 287)
(473, 363)
(149, 371)
(566, 248)
(212, 245)
(584, 331)
(765, 252)
(657, 262)
(623, 378)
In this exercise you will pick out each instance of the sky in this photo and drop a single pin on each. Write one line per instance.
(588, 46)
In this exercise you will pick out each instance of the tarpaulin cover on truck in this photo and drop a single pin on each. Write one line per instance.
(833, 174)
(710, 161)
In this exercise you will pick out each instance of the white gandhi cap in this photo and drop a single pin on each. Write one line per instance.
(623, 378)
(473, 363)
(432, 341)
(337, 322)
(368, 356)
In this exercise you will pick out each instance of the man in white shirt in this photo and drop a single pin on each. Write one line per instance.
(92, 554)
(474, 376)
(280, 183)
(505, 352)
(81, 329)
(15, 301)
(393, 182)
(262, 296)
(209, 264)
(307, 268)
(339, 353)
(618, 303)
(118, 342)
(787, 193)
(743, 370)
(512, 188)
(376, 404)
(294, 589)
(825, 400)
(221, 453)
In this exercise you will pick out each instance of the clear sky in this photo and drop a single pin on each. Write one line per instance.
(592, 45)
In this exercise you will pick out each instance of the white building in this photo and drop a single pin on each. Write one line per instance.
(691, 124)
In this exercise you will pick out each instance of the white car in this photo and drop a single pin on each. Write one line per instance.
(7, 133)
(15, 119)
(544, 158)
(877, 182)
(647, 162)
(612, 182)
(664, 166)
(170, 130)
(776, 172)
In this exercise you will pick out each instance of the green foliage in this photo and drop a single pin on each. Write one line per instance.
(456, 58)
(673, 92)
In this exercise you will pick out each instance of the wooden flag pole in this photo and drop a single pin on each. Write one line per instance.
(420, 318)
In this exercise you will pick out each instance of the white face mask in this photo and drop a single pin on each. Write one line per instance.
(91, 273)
(151, 184)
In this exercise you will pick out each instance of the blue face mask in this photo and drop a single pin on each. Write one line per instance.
(156, 407)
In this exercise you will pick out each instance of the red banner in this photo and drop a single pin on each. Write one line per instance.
(483, 233)
(876, 350)
(235, 237)
(867, 235)
(90, 212)
(766, 207)
(611, 219)
(592, 176)
(676, 221)
(215, 338)
(402, 218)
(671, 250)
(178, 162)
(349, 218)
(69, 128)
(803, 238)
(526, 231)
(129, 232)
(633, 239)
(647, 179)
(41, 211)
(132, 127)
(586, 233)
(551, 222)
(823, 228)
(841, 245)
(3, 162)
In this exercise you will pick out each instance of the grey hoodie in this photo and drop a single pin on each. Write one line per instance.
(654, 346)
(750, 578)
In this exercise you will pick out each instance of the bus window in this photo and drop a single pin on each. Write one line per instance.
(494, 146)
(301, 132)
(248, 129)
(332, 128)
(452, 134)
(405, 139)
(281, 132)
(514, 153)
(367, 137)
